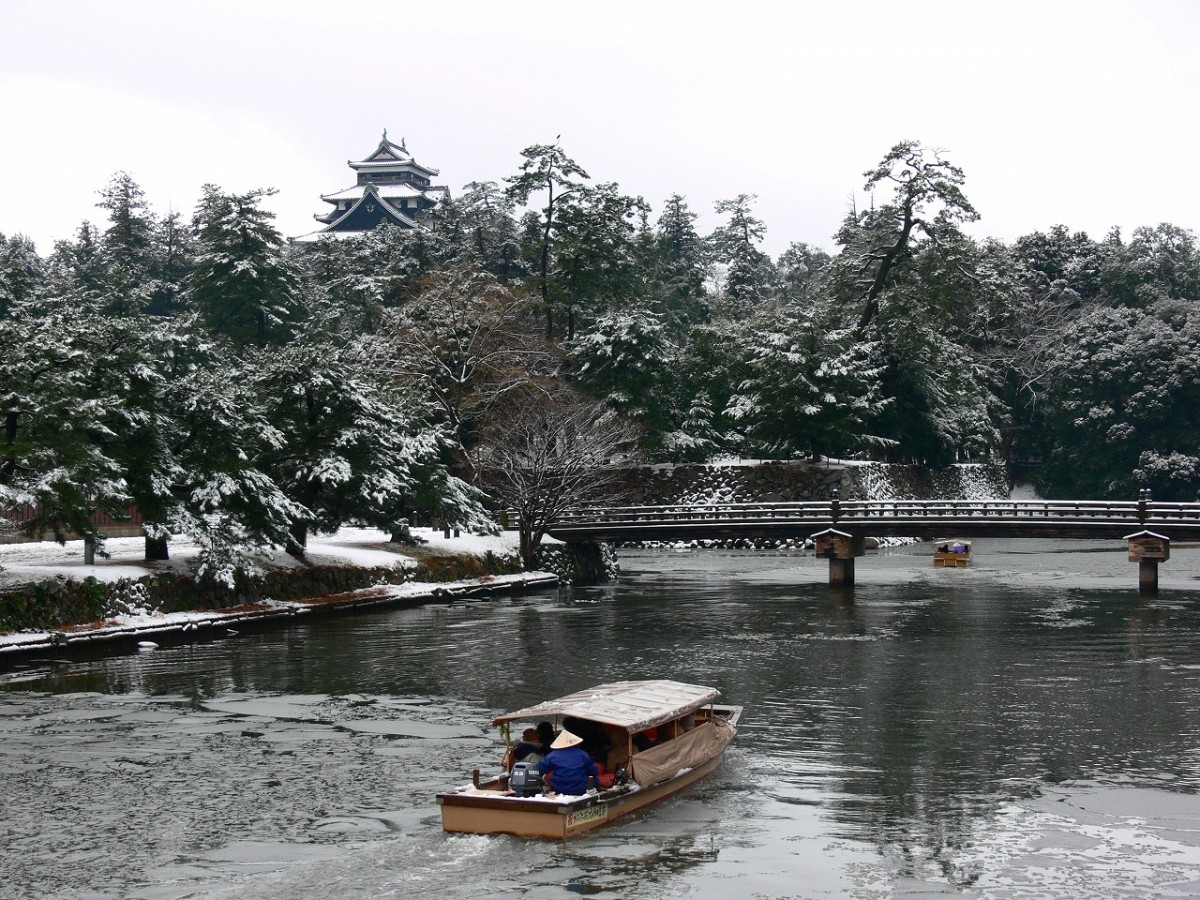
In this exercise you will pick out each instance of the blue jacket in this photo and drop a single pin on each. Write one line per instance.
(570, 768)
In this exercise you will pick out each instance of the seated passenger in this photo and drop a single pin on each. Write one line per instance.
(569, 765)
(594, 737)
(529, 748)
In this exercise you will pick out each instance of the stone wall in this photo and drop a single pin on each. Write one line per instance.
(799, 481)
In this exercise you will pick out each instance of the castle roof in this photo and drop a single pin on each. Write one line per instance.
(390, 156)
(354, 214)
(394, 191)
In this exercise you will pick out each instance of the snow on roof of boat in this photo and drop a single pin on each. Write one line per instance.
(632, 705)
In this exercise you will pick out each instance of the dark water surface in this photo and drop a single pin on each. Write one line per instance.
(1027, 728)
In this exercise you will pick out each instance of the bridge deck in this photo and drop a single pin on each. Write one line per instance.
(1070, 519)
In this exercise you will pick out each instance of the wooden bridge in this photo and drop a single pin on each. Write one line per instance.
(839, 527)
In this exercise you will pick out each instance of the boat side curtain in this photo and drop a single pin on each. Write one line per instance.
(687, 751)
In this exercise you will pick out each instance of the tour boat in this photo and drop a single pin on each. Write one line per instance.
(951, 554)
(651, 739)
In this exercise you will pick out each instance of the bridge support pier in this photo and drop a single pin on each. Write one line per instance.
(1148, 549)
(841, 572)
(1148, 577)
(840, 549)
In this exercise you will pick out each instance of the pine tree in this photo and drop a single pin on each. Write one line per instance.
(243, 284)
(748, 273)
(549, 173)
(348, 451)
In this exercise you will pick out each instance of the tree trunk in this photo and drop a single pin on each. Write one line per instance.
(299, 539)
(156, 549)
(528, 548)
(8, 464)
(885, 268)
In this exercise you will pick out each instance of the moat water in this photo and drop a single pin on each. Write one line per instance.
(1027, 728)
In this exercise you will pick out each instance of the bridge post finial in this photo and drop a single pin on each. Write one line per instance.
(835, 505)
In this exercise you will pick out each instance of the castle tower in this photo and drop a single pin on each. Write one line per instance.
(390, 187)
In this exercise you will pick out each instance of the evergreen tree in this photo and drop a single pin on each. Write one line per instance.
(748, 274)
(597, 260)
(624, 357)
(808, 387)
(548, 173)
(22, 272)
(803, 271)
(927, 205)
(480, 225)
(349, 451)
(243, 284)
(125, 248)
(1122, 406)
(677, 266)
(57, 424)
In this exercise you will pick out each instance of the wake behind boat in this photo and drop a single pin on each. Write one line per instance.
(649, 740)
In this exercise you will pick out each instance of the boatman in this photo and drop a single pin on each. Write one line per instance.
(569, 765)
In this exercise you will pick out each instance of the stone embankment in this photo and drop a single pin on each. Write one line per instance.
(800, 481)
(782, 482)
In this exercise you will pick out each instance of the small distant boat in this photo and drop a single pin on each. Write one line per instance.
(952, 554)
(683, 732)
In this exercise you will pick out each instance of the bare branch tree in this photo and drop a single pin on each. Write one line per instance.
(463, 342)
(556, 450)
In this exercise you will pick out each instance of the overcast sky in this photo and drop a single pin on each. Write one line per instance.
(1079, 113)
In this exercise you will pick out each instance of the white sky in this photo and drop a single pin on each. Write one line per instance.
(1080, 113)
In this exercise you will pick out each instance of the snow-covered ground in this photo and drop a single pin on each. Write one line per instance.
(366, 547)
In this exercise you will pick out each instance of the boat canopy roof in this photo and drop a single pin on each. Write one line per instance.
(632, 705)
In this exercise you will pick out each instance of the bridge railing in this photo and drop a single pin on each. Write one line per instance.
(1147, 512)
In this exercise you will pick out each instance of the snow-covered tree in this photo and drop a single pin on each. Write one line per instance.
(464, 343)
(748, 274)
(596, 255)
(927, 205)
(803, 270)
(243, 284)
(694, 439)
(349, 451)
(623, 357)
(56, 425)
(479, 226)
(125, 247)
(1160, 263)
(22, 272)
(1122, 406)
(809, 388)
(75, 268)
(678, 266)
(550, 175)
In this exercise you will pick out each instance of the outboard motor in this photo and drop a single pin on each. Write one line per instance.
(525, 779)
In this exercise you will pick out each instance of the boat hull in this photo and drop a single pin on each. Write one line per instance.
(472, 814)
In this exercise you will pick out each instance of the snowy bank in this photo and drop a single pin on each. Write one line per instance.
(143, 625)
(55, 600)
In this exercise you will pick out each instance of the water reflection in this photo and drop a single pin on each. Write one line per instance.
(916, 733)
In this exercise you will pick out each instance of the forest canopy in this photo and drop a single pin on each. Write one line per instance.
(247, 390)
